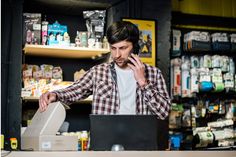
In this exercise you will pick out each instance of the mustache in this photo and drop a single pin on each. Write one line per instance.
(121, 59)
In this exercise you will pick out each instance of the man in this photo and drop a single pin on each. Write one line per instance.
(124, 86)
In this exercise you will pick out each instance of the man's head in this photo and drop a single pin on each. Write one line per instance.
(123, 37)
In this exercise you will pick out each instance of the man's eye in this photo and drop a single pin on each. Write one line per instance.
(123, 48)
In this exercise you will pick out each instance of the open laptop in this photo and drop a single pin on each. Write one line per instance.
(133, 132)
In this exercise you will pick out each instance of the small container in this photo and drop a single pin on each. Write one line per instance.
(77, 39)
(84, 140)
(105, 43)
(13, 142)
(44, 31)
(78, 133)
(98, 44)
(84, 39)
(2, 141)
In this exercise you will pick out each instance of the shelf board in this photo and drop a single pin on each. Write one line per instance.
(35, 99)
(63, 52)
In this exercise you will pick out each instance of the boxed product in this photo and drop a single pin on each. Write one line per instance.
(197, 41)
(233, 42)
(57, 33)
(220, 42)
(32, 28)
(176, 51)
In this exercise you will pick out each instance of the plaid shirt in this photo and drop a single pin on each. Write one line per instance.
(101, 82)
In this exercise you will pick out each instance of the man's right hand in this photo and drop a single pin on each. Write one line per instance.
(46, 99)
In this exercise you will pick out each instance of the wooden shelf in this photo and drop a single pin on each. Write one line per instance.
(63, 52)
(35, 99)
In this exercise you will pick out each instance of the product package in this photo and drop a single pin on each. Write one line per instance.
(197, 41)
(95, 22)
(32, 28)
(233, 42)
(176, 51)
(57, 34)
(220, 42)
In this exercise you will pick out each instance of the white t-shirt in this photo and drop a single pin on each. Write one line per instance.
(127, 90)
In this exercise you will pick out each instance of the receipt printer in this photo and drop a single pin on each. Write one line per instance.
(40, 135)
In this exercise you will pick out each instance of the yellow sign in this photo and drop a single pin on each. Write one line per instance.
(147, 39)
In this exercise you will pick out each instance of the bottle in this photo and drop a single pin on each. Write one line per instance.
(91, 41)
(13, 143)
(84, 140)
(78, 133)
(98, 44)
(32, 38)
(231, 66)
(105, 43)
(44, 31)
(66, 38)
(28, 36)
(77, 39)
(84, 39)
(185, 84)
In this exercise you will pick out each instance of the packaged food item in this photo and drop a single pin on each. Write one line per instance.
(38, 80)
(79, 74)
(13, 143)
(32, 28)
(47, 71)
(57, 73)
(95, 22)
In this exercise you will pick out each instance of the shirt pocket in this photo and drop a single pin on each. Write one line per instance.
(104, 90)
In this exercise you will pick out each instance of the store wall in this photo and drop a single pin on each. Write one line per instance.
(161, 11)
(220, 8)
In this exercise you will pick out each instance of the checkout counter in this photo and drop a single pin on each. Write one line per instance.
(40, 139)
(123, 154)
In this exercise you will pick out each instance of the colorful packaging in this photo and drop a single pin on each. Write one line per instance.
(32, 28)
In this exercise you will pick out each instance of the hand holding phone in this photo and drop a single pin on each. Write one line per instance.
(138, 68)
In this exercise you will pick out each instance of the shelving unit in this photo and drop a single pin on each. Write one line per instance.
(63, 52)
(209, 99)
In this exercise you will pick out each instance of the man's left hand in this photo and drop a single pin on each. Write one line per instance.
(138, 68)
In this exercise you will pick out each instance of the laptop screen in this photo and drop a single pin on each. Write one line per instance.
(133, 132)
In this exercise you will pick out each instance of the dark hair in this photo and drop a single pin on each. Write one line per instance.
(124, 30)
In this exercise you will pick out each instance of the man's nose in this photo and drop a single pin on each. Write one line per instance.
(117, 53)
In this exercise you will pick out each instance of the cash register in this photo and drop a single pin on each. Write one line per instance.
(41, 134)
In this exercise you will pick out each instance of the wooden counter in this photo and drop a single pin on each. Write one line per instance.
(124, 154)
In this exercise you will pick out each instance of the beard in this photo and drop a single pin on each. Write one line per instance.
(121, 62)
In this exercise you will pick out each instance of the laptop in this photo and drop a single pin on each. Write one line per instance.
(133, 132)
